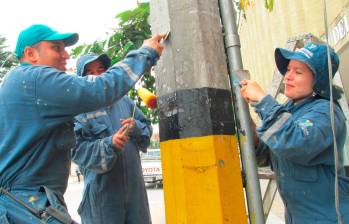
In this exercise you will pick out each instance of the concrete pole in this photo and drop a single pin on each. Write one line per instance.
(199, 147)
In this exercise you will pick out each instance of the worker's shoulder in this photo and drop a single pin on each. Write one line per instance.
(21, 75)
(27, 71)
(29, 67)
(320, 105)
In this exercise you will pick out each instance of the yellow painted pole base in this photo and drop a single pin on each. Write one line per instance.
(202, 181)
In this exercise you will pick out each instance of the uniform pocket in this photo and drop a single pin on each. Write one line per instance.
(98, 129)
(305, 173)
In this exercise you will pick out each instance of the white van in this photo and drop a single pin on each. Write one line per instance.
(151, 167)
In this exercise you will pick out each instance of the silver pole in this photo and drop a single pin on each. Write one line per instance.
(232, 45)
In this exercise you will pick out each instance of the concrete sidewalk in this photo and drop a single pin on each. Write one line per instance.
(156, 202)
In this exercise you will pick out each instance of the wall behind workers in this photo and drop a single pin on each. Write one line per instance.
(263, 31)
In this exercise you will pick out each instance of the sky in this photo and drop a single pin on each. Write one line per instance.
(91, 19)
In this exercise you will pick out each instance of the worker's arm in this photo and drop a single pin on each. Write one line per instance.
(298, 138)
(94, 148)
(62, 96)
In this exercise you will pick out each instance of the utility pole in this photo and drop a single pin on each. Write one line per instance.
(245, 133)
(198, 141)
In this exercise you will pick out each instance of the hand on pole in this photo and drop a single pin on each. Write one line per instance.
(251, 91)
(154, 42)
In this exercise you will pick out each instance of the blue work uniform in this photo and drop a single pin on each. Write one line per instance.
(37, 107)
(114, 191)
(300, 142)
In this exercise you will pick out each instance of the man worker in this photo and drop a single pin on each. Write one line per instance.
(38, 102)
(118, 132)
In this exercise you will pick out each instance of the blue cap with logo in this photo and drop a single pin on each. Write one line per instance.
(88, 58)
(315, 57)
(39, 32)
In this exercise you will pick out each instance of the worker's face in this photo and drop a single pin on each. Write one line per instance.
(51, 53)
(95, 68)
(298, 81)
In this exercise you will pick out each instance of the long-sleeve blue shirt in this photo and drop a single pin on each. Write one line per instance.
(37, 107)
(299, 137)
(112, 177)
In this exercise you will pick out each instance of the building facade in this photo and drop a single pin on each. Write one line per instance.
(262, 31)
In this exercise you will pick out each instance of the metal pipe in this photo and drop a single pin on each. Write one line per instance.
(232, 45)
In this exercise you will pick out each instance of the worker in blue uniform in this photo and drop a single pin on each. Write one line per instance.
(38, 102)
(298, 135)
(114, 189)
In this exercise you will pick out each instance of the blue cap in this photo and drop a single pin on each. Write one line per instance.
(315, 57)
(88, 58)
(38, 32)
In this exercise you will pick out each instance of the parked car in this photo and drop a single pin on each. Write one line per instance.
(151, 167)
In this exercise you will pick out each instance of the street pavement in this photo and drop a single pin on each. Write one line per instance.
(156, 202)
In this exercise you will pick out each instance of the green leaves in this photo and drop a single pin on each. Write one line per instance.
(242, 5)
(269, 4)
(7, 59)
(132, 29)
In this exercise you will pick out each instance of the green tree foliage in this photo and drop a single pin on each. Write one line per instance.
(133, 28)
(7, 59)
(243, 5)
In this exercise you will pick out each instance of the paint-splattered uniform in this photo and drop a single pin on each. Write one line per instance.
(114, 186)
(300, 140)
(37, 106)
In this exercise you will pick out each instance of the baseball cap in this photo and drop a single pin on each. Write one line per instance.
(88, 58)
(315, 57)
(39, 32)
